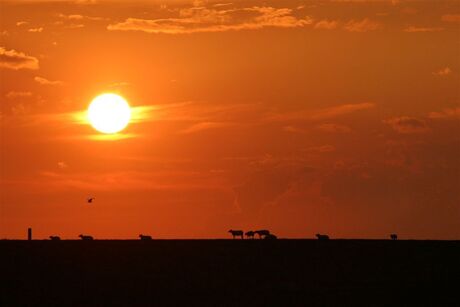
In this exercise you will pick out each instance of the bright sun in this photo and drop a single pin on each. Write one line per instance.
(109, 113)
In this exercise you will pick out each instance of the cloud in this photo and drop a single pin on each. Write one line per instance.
(85, 2)
(326, 24)
(407, 125)
(75, 26)
(321, 114)
(171, 180)
(35, 30)
(446, 114)
(320, 149)
(21, 23)
(14, 94)
(443, 72)
(13, 59)
(413, 29)
(293, 129)
(20, 109)
(364, 25)
(205, 126)
(118, 84)
(451, 18)
(341, 110)
(266, 186)
(78, 17)
(222, 4)
(334, 128)
(44, 81)
(62, 165)
(201, 19)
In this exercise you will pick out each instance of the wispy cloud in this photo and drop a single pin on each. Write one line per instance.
(293, 129)
(16, 60)
(321, 114)
(326, 24)
(451, 18)
(443, 72)
(364, 25)
(407, 125)
(36, 30)
(14, 94)
(206, 126)
(320, 149)
(453, 113)
(44, 81)
(414, 29)
(128, 180)
(78, 17)
(62, 165)
(334, 128)
(202, 19)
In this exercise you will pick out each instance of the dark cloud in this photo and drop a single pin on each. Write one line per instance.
(406, 124)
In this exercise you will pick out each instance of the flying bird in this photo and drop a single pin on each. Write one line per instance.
(90, 200)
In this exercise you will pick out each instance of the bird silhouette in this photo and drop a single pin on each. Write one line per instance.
(90, 200)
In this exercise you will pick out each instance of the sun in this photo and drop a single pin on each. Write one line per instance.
(109, 113)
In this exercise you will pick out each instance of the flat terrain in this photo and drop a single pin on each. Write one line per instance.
(230, 273)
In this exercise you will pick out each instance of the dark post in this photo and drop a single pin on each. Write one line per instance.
(29, 234)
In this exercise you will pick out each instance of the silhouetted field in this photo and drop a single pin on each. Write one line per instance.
(230, 273)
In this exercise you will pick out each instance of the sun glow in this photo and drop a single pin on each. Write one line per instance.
(109, 113)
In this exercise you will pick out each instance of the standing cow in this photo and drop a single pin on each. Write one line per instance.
(250, 234)
(236, 233)
(144, 237)
(262, 233)
(322, 237)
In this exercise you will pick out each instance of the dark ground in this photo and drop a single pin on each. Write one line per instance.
(230, 273)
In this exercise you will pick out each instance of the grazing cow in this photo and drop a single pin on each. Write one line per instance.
(250, 234)
(86, 238)
(236, 233)
(270, 236)
(55, 238)
(394, 236)
(262, 233)
(322, 237)
(145, 238)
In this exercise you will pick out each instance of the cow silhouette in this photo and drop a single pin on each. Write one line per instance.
(262, 233)
(236, 233)
(322, 237)
(145, 238)
(55, 238)
(394, 236)
(270, 236)
(86, 238)
(250, 234)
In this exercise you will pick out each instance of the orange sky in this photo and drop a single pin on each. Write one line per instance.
(338, 117)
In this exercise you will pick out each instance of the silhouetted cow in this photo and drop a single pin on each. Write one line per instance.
(236, 233)
(55, 238)
(145, 238)
(270, 236)
(322, 237)
(86, 238)
(262, 233)
(394, 236)
(250, 234)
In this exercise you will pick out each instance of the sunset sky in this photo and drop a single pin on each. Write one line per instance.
(338, 117)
